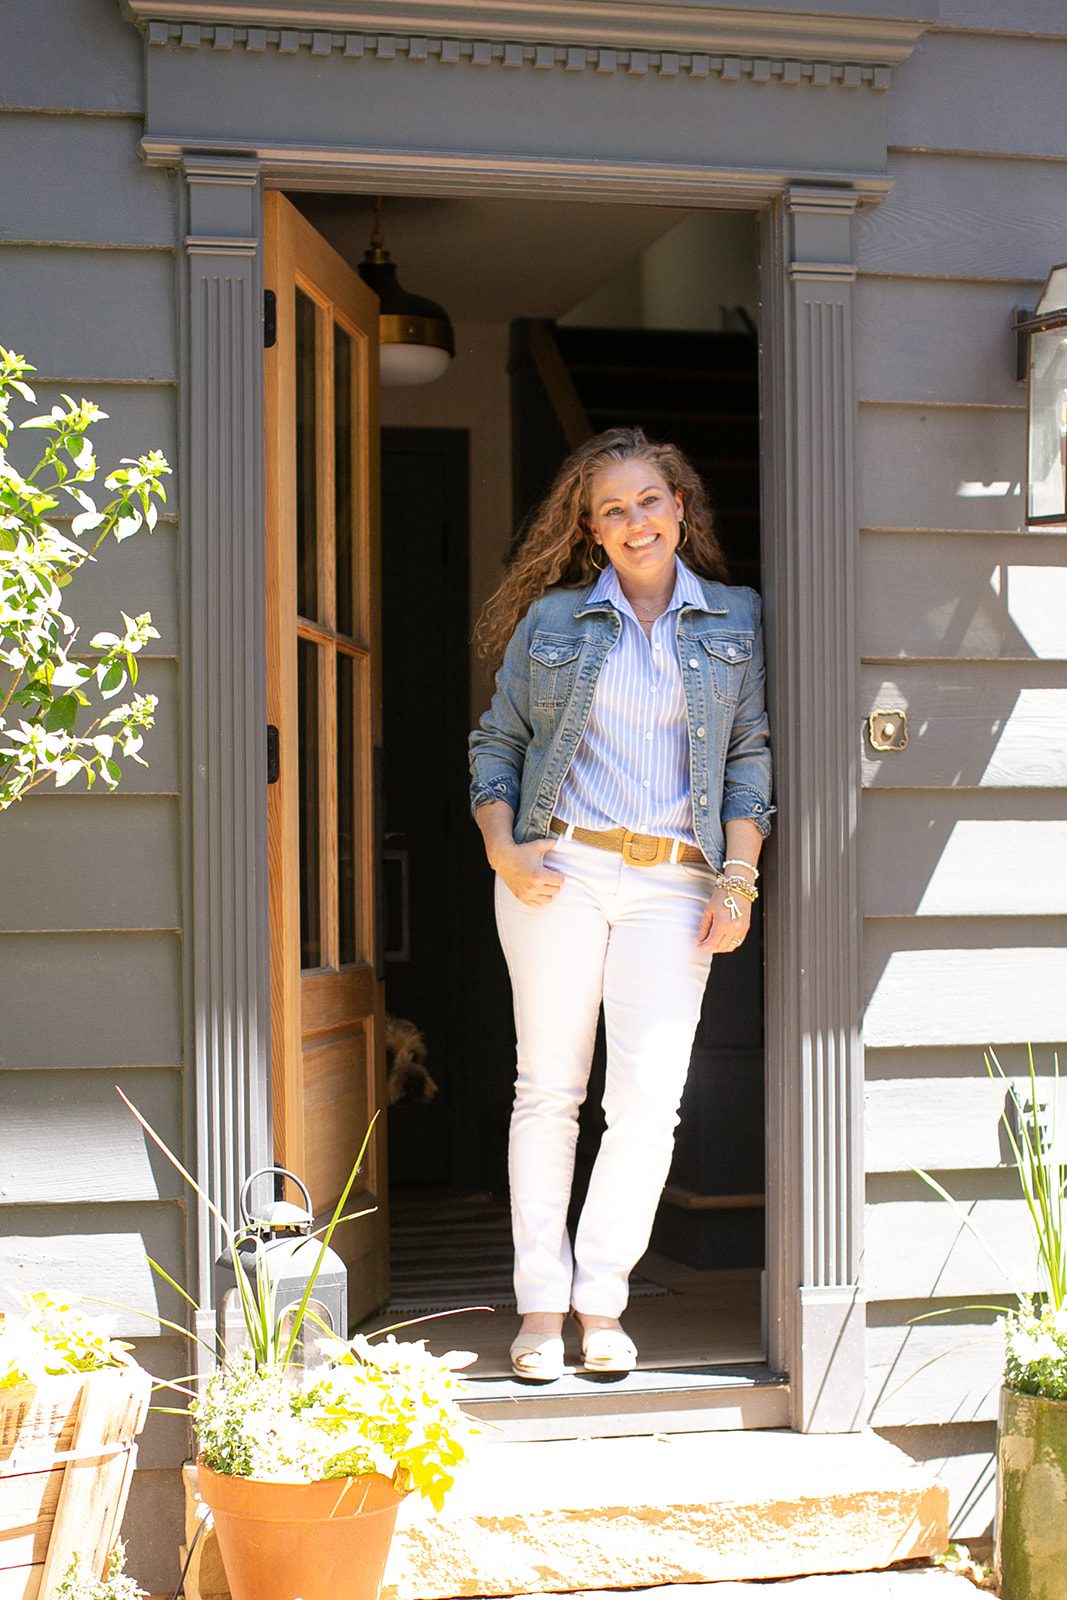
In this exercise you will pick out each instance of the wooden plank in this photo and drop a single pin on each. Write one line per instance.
(99, 1254)
(920, 1247)
(980, 725)
(965, 217)
(72, 55)
(955, 596)
(74, 1122)
(941, 468)
(67, 865)
(330, 999)
(71, 311)
(945, 1124)
(95, 155)
(961, 982)
(93, 1497)
(941, 854)
(918, 340)
(946, 1370)
(111, 999)
(961, 1456)
(974, 93)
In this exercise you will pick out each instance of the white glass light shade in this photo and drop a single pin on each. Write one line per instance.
(1047, 470)
(412, 363)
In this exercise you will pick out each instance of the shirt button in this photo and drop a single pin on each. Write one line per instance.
(647, 783)
(730, 651)
(648, 735)
(693, 662)
(701, 732)
(703, 799)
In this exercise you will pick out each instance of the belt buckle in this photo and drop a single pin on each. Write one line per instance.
(643, 849)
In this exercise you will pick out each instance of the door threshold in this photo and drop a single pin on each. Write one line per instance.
(580, 1405)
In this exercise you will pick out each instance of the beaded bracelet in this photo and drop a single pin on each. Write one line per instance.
(751, 865)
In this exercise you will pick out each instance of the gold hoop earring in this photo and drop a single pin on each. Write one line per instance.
(685, 532)
(597, 567)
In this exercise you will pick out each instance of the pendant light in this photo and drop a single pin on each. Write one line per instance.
(415, 336)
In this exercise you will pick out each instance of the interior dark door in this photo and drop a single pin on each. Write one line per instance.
(438, 891)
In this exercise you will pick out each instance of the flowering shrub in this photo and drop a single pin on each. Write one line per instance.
(388, 1407)
(1035, 1350)
(47, 675)
(114, 1585)
(51, 1339)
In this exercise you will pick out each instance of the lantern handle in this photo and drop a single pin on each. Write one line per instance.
(246, 1188)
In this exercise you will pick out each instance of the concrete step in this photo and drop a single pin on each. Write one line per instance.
(607, 1514)
(911, 1583)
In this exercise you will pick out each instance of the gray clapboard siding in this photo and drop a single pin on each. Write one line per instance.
(948, 861)
(941, 1124)
(988, 94)
(967, 217)
(937, 341)
(1023, 16)
(76, 55)
(97, 157)
(920, 1247)
(139, 417)
(953, 595)
(74, 1124)
(91, 861)
(154, 1527)
(140, 574)
(953, 1061)
(165, 1441)
(960, 1455)
(941, 468)
(948, 1369)
(956, 981)
(975, 725)
(99, 1254)
(90, 1000)
(91, 314)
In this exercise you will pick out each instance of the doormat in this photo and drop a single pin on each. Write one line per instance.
(453, 1252)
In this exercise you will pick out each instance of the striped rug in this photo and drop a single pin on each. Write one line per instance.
(452, 1252)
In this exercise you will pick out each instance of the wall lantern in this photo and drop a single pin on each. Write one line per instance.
(1045, 335)
(281, 1234)
(415, 337)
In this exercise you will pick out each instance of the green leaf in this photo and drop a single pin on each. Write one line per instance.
(61, 714)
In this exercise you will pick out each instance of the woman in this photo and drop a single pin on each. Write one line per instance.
(621, 782)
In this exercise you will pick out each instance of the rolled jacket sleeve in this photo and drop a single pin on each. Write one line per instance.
(746, 790)
(499, 743)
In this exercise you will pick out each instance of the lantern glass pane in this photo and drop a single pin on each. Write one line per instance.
(308, 1351)
(1048, 425)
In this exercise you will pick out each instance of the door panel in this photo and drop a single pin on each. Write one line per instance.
(324, 696)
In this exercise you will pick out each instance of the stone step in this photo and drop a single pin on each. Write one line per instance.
(607, 1514)
(909, 1583)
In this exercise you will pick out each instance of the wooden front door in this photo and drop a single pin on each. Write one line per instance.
(324, 697)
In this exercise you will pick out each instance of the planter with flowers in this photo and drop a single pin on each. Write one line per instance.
(304, 1467)
(71, 1406)
(1031, 1523)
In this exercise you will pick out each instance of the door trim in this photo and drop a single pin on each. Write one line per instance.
(814, 1055)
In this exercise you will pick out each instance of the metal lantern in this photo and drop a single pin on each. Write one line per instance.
(280, 1236)
(1046, 370)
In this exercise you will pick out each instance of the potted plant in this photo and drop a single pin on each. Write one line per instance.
(304, 1467)
(1031, 1522)
(72, 1402)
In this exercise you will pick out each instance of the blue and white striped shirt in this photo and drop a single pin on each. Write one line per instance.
(631, 769)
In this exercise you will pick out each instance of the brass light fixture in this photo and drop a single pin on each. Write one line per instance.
(1045, 336)
(415, 335)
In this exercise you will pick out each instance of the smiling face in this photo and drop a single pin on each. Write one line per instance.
(634, 516)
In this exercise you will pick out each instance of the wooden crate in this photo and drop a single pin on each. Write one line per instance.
(67, 1454)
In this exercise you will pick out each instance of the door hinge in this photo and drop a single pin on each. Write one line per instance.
(270, 319)
(274, 756)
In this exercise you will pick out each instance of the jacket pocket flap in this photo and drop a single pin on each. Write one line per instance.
(734, 651)
(554, 649)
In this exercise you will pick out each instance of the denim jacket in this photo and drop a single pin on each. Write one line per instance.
(523, 745)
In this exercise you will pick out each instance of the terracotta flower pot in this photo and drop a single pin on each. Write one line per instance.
(1031, 1542)
(319, 1541)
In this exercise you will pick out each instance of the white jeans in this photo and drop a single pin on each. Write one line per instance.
(625, 936)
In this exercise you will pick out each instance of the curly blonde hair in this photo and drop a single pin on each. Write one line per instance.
(556, 548)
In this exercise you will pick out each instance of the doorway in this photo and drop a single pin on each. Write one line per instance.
(442, 966)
